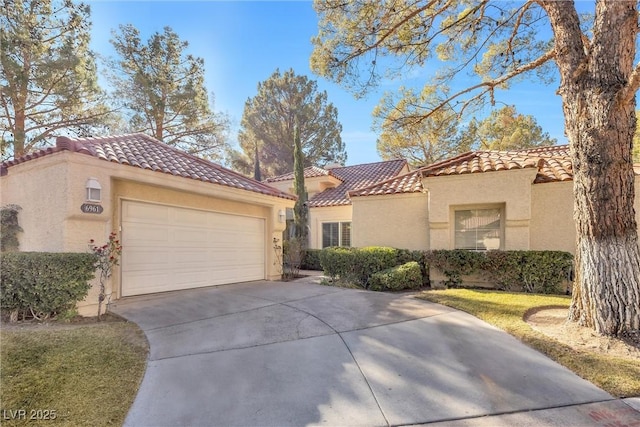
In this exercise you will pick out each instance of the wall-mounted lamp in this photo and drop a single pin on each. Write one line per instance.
(94, 190)
(282, 215)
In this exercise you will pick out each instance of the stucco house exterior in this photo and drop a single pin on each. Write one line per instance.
(509, 200)
(330, 207)
(184, 222)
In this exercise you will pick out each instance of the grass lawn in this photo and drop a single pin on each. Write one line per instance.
(617, 375)
(80, 375)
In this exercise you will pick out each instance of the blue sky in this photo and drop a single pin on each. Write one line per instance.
(244, 42)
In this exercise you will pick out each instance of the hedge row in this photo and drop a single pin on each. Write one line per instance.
(528, 271)
(375, 267)
(42, 284)
(358, 265)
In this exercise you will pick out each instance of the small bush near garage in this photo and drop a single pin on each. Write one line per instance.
(405, 276)
(520, 271)
(311, 259)
(41, 285)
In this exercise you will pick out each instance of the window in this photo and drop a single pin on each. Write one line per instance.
(478, 229)
(336, 234)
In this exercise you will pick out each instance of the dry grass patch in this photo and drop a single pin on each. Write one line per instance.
(85, 375)
(616, 374)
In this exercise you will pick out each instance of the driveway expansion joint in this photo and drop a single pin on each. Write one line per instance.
(497, 414)
(159, 359)
(209, 318)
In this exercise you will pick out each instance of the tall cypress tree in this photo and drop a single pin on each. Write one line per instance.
(300, 208)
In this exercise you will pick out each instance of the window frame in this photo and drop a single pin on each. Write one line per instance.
(340, 237)
(457, 208)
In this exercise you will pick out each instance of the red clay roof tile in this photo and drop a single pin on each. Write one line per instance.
(355, 177)
(310, 172)
(144, 152)
(553, 164)
(352, 177)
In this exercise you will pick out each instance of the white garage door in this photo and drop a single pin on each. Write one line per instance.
(166, 248)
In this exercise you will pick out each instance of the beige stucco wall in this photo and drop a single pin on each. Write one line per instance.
(326, 214)
(51, 190)
(510, 189)
(552, 224)
(399, 221)
(42, 198)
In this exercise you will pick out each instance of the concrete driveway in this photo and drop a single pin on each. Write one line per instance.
(298, 353)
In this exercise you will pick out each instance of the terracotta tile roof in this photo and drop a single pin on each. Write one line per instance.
(144, 152)
(310, 172)
(553, 164)
(408, 183)
(356, 177)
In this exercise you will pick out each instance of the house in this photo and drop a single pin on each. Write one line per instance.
(510, 200)
(184, 222)
(330, 207)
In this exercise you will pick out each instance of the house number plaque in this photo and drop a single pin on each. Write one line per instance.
(91, 209)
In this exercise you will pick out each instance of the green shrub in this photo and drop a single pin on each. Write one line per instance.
(455, 263)
(338, 263)
(405, 276)
(372, 259)
(42, 284)
(544, 271)
(311, 259)
(356, 265)
(528, 271)
(405, 255)
(9, 228)
(503, 269)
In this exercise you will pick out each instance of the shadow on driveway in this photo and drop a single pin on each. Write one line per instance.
(297, 353)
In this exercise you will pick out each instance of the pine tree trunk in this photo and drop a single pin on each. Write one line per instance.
(600, 125)
(19, 136)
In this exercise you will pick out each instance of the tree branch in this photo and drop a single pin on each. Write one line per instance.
(489, 86)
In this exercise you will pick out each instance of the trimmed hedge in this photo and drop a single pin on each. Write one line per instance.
(528, 271)
(42, 284)
(311, 259)
(405, 276)
(455, 263)
(357, 265)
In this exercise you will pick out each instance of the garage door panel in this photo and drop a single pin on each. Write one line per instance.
(192, 279)
(147, 235)
(190, 218)
(190, 259)
(147, 282)
(141, 259)
(191, 237)
(169, 248)
(146, 213)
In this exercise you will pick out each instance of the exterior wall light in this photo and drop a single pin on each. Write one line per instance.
(94, 190)
(282, 216)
